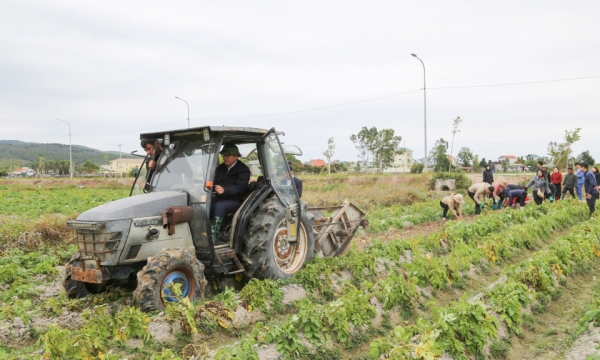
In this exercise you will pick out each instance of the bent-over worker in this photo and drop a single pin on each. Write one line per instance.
(452, 203)
(476, 191)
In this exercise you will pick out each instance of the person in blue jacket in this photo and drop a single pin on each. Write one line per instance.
(580, 180)
(591, 193)
(519, 194)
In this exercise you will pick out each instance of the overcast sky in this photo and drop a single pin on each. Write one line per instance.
(113, 68)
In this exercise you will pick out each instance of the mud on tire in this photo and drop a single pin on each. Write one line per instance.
(160, 268)
(266, 253)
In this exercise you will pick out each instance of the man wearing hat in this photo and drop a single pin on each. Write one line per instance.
(452, 203)
(231, 180)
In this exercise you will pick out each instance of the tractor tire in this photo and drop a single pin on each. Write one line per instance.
(169, 266)
(266, 254)
(78, 289)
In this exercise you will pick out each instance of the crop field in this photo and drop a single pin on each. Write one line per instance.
(506, 284)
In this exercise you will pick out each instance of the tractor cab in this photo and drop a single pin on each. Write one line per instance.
(188, 163)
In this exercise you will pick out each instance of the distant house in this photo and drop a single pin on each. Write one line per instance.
(23, 171)
(403, 160)
(125, 165)
(318, 162)
(510, 158)
(533, 157)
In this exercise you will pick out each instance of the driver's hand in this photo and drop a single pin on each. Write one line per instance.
(152, 164)
(219, 189)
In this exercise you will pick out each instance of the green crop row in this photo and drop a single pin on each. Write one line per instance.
(536, 280)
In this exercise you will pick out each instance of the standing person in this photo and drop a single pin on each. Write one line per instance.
(498, 195)
(488, 175)
(477, 193)
(540, 188)
(591, 193)
(548, 179)
(556, 179)
(596, 174)
(452, 203)
(569, 183)
(580, 180)
(289, 177)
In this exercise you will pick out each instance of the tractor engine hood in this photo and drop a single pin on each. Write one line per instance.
(144, 205)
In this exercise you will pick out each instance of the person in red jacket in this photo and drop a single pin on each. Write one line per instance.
(556, 180)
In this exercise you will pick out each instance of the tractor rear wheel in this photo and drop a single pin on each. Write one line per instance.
(266, 252)
(170, 266)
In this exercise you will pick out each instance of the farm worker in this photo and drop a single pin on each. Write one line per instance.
(591, 193)
(596, 174)
(520, 195)
(153, 149)
(231, 180)
(498, 194)
(540, 188)
(452, 203)
(569, 183)
(288, 180)
(580, 180)
(556, 179)
(488, 175)
(475, 193)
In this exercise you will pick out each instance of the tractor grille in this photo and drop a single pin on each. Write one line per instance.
(98, 245)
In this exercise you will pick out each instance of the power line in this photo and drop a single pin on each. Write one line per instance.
(510, 84)
(344, 104)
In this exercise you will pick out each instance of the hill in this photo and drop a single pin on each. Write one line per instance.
(26, 153)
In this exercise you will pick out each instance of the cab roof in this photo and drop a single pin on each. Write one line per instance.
(232, 132)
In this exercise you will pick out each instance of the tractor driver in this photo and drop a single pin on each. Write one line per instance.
(231, 180)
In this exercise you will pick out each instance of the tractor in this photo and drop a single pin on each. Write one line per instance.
(161, 234)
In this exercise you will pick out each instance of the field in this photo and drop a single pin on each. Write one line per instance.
(506, 284)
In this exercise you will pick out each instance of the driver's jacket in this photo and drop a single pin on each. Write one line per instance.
(234, 180)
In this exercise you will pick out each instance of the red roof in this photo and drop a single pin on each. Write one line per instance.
(318, 162)
(508, 156)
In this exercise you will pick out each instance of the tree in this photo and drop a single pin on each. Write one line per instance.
(89, 167)
(559, 152)
(377, 145)
(329, 154)
(465, 156)
(438, 157)
(483, 163)
(416, 168)
(476, 166)
(586, 158)
(363, 143)
(457, 121)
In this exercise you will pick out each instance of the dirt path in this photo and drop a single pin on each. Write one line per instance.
(548, 339)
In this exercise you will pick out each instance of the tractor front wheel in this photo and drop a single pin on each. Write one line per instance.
(170, 266)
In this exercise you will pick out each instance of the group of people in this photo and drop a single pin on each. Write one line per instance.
(543, 184)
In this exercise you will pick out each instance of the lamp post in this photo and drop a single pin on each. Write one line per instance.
(425, 109)
(188, 106)
(70, 157)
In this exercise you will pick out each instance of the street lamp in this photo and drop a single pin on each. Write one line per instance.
(188, 105)
(70, 157)
(425, 109)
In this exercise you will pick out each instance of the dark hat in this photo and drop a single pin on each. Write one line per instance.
(230, 149)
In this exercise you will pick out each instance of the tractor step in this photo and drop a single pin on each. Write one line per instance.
(222, 256)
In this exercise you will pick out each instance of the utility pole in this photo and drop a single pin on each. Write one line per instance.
(119, 164)
(70, 156)
(188, 106)
(425, 110)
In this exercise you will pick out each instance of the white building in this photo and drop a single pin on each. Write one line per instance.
(402, 162)
(510, 158)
